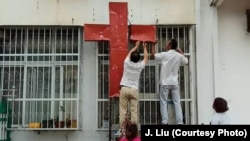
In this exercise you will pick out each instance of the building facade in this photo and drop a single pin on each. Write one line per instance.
(51, 75)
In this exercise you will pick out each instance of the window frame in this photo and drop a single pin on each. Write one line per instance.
(24, 42)
(189, 80)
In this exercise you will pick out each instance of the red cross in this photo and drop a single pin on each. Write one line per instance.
(117, 34)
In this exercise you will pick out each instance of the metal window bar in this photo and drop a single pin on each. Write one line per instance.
(181, 34)
(103, 83)
(29, 59)
(149, 106)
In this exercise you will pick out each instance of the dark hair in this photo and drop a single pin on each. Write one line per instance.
(135, 56)
(133, 130)
(173, 44)
(220, 105)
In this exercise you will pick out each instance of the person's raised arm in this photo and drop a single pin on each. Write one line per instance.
(145, 57)
(153, 50)
(137, 44)
(184, 59)
(180, 51)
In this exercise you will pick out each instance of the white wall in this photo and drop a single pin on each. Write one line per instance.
(222, 51)
(223, 54)
(79, 12)
(205, 63)
(234, 50)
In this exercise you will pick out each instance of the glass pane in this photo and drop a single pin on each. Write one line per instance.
(103, 114)
(12, 77)
(38, 82)
(39, 42)
(149, 112)
(66, 40)
(103, 89)
(147, 82)
(16, 115)
(66, 113)
(66, 81)
(37, 111)
(103, 77)
(103, 47)
(186, 110)
(70, 82)
(12, 43)
(58, 81)
(182, 82)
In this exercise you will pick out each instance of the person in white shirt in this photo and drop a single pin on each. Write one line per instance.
(221, 116)
(171, 60)
(129, 93)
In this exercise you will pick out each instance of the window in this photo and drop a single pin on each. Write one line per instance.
(149, 106)
(149, 83)
(40, 67)
(103, 84)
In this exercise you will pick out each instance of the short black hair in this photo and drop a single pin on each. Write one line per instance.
(173, 43)
(133, 129)
(135, 56)
(220, 105)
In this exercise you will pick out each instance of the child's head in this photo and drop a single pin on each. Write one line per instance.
(131, 131)
(220, 105)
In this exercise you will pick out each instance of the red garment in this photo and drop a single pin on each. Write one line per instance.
(135, 139)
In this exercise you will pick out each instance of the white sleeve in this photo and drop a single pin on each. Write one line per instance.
(184, 60)
(142, 64)
(158, 56)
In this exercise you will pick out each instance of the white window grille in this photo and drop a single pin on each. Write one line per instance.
(42, 64)
(149, 106)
